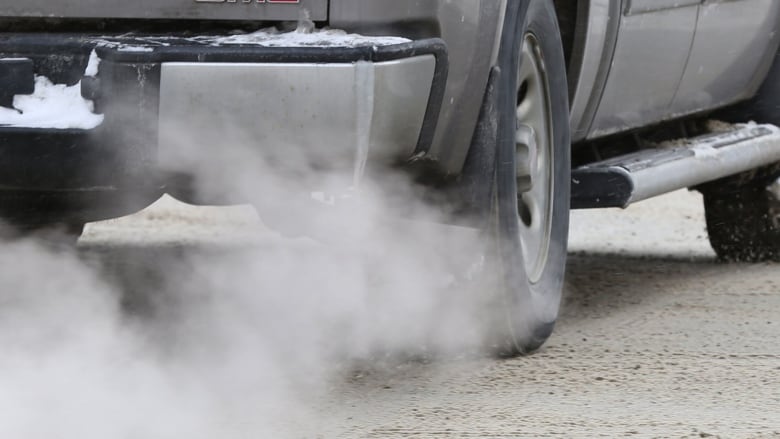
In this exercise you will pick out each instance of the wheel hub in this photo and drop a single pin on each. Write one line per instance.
(534, 152)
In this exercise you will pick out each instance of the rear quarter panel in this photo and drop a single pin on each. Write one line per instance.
(469, 27)
(734, 45)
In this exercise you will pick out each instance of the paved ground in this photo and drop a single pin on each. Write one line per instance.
(656, 339)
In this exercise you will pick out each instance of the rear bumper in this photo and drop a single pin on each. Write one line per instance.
(166, 99)
(168, 9)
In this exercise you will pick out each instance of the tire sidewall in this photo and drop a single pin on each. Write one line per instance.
(531, 308)
(741, 216)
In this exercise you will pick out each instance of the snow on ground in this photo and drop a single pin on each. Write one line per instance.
(645, 228)
(171, 221)
(642, 229)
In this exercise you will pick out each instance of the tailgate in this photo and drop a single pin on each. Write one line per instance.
(167, 9)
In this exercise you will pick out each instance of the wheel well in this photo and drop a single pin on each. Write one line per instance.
(567, 12)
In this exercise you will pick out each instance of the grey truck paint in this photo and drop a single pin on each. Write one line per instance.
(633, 62)
(674, 58)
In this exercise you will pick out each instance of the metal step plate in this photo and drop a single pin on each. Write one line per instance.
(621, 181)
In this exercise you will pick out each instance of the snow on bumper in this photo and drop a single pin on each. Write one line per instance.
(55, 106)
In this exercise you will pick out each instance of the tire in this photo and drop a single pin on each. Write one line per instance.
(743, 217)
(743, 211)
(527, 220)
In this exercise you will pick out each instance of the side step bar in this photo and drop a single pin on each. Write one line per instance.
(624, 180)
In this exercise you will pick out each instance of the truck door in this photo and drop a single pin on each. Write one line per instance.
(652, 48)
(735, 42)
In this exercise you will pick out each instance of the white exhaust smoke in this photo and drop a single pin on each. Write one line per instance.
(128, 338)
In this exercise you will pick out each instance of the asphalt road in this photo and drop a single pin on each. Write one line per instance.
(656, 339)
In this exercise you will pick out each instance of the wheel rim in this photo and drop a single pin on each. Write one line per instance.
(535, 159)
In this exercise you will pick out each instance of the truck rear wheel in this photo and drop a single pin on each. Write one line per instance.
(528, 220)
(743, 217)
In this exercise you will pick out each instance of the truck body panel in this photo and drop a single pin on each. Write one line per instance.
(633, 63)
(167, 9)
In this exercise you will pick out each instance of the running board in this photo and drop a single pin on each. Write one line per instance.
(624, 180)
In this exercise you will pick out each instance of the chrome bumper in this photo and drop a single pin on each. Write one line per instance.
(330, 115)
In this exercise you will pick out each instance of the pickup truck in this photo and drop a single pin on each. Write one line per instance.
(517, 110)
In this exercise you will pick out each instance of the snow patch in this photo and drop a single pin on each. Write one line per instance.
(719, 126)
(93, 66)
(706, 152)
(54, 106)
(135, 49)
(303, 37)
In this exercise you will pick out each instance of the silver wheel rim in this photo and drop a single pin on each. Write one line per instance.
(535, 159)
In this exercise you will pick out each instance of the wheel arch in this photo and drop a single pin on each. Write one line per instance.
(569, 13)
